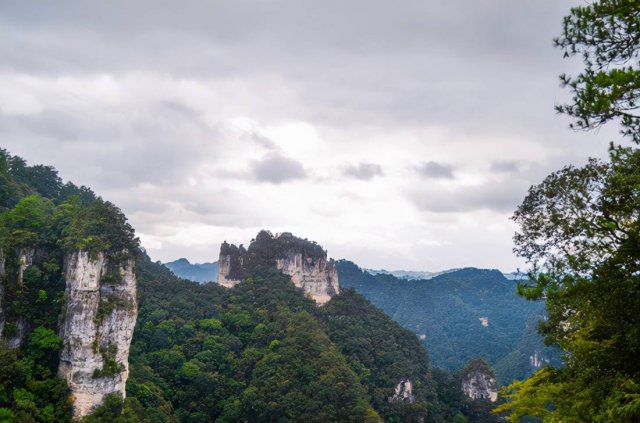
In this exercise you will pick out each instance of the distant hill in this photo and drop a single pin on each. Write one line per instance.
(197, 272)
(409, 275)
(461, 315)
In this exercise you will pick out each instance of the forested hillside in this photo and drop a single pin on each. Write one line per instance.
(262, 351)
(462, 315)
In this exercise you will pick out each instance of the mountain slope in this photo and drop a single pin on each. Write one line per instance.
(262, 351)
(461, 315)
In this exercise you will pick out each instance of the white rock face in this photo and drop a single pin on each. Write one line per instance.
(318, 277)
(403, 392)
(25, 259)
(479, 385)
(304, 261)
(224, 268)
(98, 323)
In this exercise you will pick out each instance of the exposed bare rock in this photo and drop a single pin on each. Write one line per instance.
(304, 261)
(224, 269)
(317, 276)
(403, 392)
(479, 382)
(98, 325)
(25, 259)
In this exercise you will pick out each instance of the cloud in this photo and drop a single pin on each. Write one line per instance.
(195, 120)
(277, 169)
(363, 171)
(435, 170)
(495, 195)
(505, 166)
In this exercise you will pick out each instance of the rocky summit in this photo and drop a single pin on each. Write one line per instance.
(304, 261)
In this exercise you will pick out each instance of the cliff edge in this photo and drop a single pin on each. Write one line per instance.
(304, 261)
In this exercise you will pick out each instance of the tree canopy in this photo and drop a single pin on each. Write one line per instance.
(606, 34)
(580, 231)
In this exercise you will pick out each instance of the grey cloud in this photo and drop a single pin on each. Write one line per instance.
(505, 166)
(364, 171)
(496, 195)
(479, 70)
(395, 64)
(435, 170)
(277, 169)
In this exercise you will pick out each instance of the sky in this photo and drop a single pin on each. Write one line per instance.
(398, 135)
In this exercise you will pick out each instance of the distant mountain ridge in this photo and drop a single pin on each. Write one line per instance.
(409, 275)
(197, 272)
(412, 275)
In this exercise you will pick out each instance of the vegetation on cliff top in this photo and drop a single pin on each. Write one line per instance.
(42, 219)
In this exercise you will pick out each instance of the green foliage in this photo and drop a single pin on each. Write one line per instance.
(110, 367)
(264, 352)
(382, 353)
(580, 230)
(606, 34)
(37, 213)
(101, 227)
(446, 309)
(18, 180)
(30, 391)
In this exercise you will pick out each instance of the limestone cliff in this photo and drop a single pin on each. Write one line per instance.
(479, 382)
(304, 261)
(317, 276)
(403, 392)
(97, 327)
(230, 265)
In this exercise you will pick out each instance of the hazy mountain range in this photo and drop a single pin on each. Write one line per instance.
(197, 272)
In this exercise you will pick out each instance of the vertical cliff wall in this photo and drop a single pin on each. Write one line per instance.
(97, 327)
(317, 276)
(304, 261)
(226, 264)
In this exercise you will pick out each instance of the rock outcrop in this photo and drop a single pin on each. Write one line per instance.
(479, 382)
(97, 327)
(304, 261)
(230, 265)
(403, 392)
(317, 276)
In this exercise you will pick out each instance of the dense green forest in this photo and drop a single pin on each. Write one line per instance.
(446, 310)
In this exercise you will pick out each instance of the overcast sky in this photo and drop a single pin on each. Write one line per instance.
(399, 135)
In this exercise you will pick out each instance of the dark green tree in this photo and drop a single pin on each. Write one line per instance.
(580, 231)
(606, 34)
